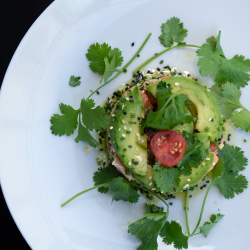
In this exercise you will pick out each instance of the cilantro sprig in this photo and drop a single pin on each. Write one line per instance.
(228, 100)
(103, 60)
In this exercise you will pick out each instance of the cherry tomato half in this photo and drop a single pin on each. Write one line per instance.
(168, 147)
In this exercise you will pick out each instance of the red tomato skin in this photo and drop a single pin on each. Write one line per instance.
(168, 146)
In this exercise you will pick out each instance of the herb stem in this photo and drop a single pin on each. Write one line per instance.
(140, 145)
(164, 51)
(202, 208)
(83, 192)
(148, 190)
(186, 212)
(124, 67)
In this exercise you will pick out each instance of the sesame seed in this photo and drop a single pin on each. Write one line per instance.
(123, 135)
(150, 183)
(176, 84)
(125, 127)
(207, 159)
(119, 129)
(210, 119)
(111, 127)
(136, 149)
(130, 129)
(127, 98)
(208, 90)
(132, 44)
(188, 179)
(113, 115)
(150, 177)
(186, 186)
(129, 163)
(203, 164)
(123, 121)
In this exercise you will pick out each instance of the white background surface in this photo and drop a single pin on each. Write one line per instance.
(40, 171)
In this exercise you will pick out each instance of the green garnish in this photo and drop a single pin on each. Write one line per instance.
(74, 81)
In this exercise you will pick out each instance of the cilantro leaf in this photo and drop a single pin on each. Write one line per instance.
(167, 118)
(93, 118)
(96, 54)
(109, 69)
(74, 81)
(209, 61)
(227, 98)
(163, 92)
(105, 174)
(241, 119)
(149, 225)
(212, 60)
(123, 190)
(149, 243)
(64, 124)
(233, 158)
(206, 228)
(166, 177)
(234, 71)
(84, 135)
(230, 183)
(172, 31)
(172, 233)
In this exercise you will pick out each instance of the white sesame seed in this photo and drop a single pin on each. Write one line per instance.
(123, 106)
(130, 129)
(113, 115)
(186, 186)
(207, 159)
(127, 98)
(142, 116)
(208, 90)
(123, 135)
(188, 179)
(137, 134)
(125, 127)
(162, 191)
(142, 141)
(136, 149)
(119, 129)
(143, 91)
(213, 163)
(150, 183)
(176, 84)
(210, 119)
(150, 177)
(129, 163)
(111, 127)
(203, 164)
(123, 121)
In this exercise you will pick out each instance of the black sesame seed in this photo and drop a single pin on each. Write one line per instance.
(166, 198)
(173, 197)
(158, 69)
(175, 189)
(124, 112)
(190, 196)
(136, 162)
(204, 185)
(148, 71)
(207, 181)
(188, 75)
(130, 146)
(104, 163)
(133, 168)
(224, 142)
(132, 44)
(219, 128)
(201, 187)
(97, 92)
(132, 100)
(180, 74)
(138, 118)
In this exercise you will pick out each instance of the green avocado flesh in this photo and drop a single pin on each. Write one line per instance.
(125, 131)
(208, 116)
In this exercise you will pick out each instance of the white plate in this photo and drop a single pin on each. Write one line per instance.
(40, 171)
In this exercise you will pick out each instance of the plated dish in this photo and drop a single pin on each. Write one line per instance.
(39, 174)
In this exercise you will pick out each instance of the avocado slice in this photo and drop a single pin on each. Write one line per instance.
(197, 174)
(125, 131)
(209, 116)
